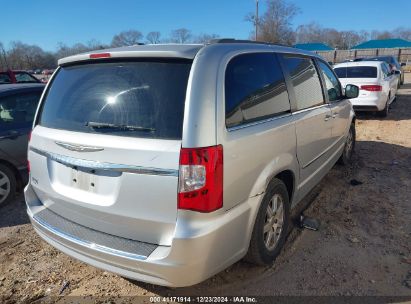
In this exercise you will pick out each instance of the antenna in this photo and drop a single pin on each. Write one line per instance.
(256, 20)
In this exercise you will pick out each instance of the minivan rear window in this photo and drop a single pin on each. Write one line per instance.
(143, 98)
(356, 72)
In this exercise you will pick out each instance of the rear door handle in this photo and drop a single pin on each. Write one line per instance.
(335, 114)
(327, 117)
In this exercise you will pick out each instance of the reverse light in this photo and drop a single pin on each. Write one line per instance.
(100, 55)
(372, 88)
(201, 179)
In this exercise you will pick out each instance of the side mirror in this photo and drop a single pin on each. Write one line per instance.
(351, 91)
(403, 64)
(395, 72)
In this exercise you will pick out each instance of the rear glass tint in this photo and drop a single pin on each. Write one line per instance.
(356, 72)
(138, 98)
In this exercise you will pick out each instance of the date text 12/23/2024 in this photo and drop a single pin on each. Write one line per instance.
(199, 299)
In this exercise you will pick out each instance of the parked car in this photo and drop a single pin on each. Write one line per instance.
(393, 64)
(378, 84)
(47, 72)
(353, 60)
(18, 103)
(169, 163)
(10, 76)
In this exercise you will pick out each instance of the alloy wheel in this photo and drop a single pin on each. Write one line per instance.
(4, 187)
(274, 221)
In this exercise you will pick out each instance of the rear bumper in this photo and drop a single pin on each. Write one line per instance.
(365, 108)
(369, 103)
(201, 247)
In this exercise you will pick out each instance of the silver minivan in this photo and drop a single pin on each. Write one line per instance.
(168, 163)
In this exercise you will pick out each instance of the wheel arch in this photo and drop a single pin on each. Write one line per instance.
(284, 167)
(288, 178)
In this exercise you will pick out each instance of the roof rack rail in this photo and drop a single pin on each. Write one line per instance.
(233, 40)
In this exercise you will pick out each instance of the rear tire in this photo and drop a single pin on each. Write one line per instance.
(271, 225)
(346, 156)
(7, 185)
(384, 112)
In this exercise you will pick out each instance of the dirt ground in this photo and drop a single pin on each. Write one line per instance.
(363, 246)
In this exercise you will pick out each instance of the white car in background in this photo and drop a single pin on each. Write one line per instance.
(378, 85)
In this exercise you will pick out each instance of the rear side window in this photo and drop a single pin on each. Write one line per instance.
(305, 80)
(254, 89)
(18, 110)
(385, 68)
(138, 99)
(356, 72)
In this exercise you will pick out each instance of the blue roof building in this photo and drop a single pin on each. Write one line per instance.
(383, 43)
(313, 47)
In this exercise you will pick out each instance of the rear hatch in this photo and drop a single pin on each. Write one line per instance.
(104, 152)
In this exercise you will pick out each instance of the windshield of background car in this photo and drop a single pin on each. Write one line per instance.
(146, 97)
(356, 72)
(22, 77)
(390, 60)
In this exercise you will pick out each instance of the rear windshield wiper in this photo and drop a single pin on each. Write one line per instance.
(103, 125)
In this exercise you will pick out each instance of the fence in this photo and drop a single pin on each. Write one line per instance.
(336, 56)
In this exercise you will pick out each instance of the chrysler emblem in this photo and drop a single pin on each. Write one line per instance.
(78, 148)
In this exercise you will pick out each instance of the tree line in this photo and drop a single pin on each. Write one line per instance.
(19, 55)
(274, 25)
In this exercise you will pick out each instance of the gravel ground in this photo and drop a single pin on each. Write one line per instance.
(363, 246)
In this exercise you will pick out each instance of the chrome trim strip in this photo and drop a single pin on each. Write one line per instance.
(78, 148)
(312, 108)
(87, 244)
(90, 164)
(254, 123)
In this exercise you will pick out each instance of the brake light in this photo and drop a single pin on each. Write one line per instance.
(100, 55)
(372, 88)
(28, 162)
(201, 179)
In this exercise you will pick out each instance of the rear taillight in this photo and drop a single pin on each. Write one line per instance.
(201, 179)
(28, 163)
(372, 88)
